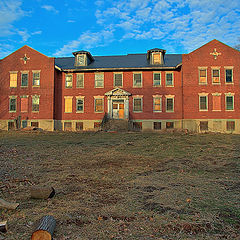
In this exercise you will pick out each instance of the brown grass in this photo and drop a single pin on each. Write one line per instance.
(123, 185)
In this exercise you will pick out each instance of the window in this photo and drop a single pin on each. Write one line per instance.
(118, 79)
(24, 79)
(35, 103)
(202, 76)
(80, 60)
(99, 105)
(24, 104)
(156, 58)
(157, 104)
(67, 126)
(36, 78)
(157, 125)
(80, 80)
(169, 104)
(169, 125)
(229, 75)
(229, 102)
(169, 79)
(216, 102)
(97, 125)
(137, 126)
(68, 80)
(35, 124)
(12, 104)
(79, 104)
(99, 80)
(203, 103)
(203, 125)
(230, 125)
(156, 79)
(68, 104)
(24, 123)
(13, 79)
(215, 75)
(137, 79)
(79, 126)
(11, 125)
(137, 104)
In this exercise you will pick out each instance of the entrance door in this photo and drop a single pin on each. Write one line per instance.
(118, 109)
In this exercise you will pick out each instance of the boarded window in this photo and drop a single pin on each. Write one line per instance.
(13, 80)
(169, 124)
(68, 104)
(80, 80)
(156, 79)
(79, 126)
(80, 60)
(137, 79)
(99, 80)
(118, 80)
(169, 104)
(35, 124)
(36, 79)
(157, 58)
(229, 103)
(217, 103)
(11, 125)
(24, 80)
(157, 104)
(137, 104)
(169, 79)
(229, 75)
(137, 126)
(157, 125)
(203, 103)
(230, 125)
(12, 104)
(24, 104)
(68, 80)
(216, 76)
(35, 103)
(80, 103)
(202, 76)
(203, 125)
(67, 126)
(99, 104)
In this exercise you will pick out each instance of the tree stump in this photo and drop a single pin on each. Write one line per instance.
(3, 226)
(45, 229)
(42, 192)
(8, 205)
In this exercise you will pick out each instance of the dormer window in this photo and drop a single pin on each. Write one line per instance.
(83, 58)
(80, 60)
(156, 56)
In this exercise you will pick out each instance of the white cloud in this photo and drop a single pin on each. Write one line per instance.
(36, 33)
(71, 21)
(50, 8)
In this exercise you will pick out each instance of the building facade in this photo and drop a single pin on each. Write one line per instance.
(198, 91)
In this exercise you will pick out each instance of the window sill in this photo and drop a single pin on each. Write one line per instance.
(12, 87)
(99, 112)
(229, 110)
(216, 83)
(169, 86)
(24, 86)
(67, 112)
(137, 111)
(118, 86)
(35, 86)
(35, 111)
(169, 111)
(98, 87)
(216, 110)
(12, 111)
(157, 85)
(137, 86)
(80, 87)
(79, 111)
(157, 111)
(229, 83)
(203, 84)
(203, 110)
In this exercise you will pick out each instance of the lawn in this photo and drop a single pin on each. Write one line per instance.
(123, 185)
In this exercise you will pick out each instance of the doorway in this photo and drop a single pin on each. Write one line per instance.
(118, 109)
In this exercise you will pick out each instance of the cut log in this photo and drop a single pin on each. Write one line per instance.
(8, 205)
(3, 226)
(45, 229)
(42, 192)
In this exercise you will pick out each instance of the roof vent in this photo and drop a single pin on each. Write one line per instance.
(156, 56)
(83, 58)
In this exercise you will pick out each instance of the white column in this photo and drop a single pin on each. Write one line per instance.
(126, 108)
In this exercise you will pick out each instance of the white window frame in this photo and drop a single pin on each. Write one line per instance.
(99, 80)
(229, 95)
(170, 97)
(68, 74)
(13, 97)
(219, 70)
(96, 98)
(160, 97)
(199, 102)
(225, 75)
(25, 72)
(33, 72)
(200, 69)
(134, 84)
(77, 98)
(172, 79)
(160, 81)
(37, 97)
(79, 74)
(134, 99)
(114, 80)
(67, 97)
(13, 72)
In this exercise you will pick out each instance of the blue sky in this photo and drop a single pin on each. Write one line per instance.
(59, 27)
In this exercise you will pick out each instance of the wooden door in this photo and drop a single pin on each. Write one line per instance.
(121, 110)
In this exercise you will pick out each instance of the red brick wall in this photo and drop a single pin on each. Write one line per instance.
(89, 91)
(202, 58)
(37, 61)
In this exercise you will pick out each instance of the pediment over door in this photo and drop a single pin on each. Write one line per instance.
(118, 92)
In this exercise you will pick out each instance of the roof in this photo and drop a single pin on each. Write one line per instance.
(130, 61)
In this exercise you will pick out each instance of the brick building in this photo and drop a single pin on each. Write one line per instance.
(198, 91)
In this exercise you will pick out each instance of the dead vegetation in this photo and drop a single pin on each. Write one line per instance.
(123, 185)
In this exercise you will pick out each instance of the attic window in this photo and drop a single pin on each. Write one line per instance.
(80, 60)
(156, 58)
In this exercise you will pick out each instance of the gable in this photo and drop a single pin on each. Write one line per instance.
(117, 92)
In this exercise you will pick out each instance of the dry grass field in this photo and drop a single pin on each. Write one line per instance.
(123, 185)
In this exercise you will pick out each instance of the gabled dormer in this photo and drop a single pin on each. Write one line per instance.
(156, 56)
(83, 58)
